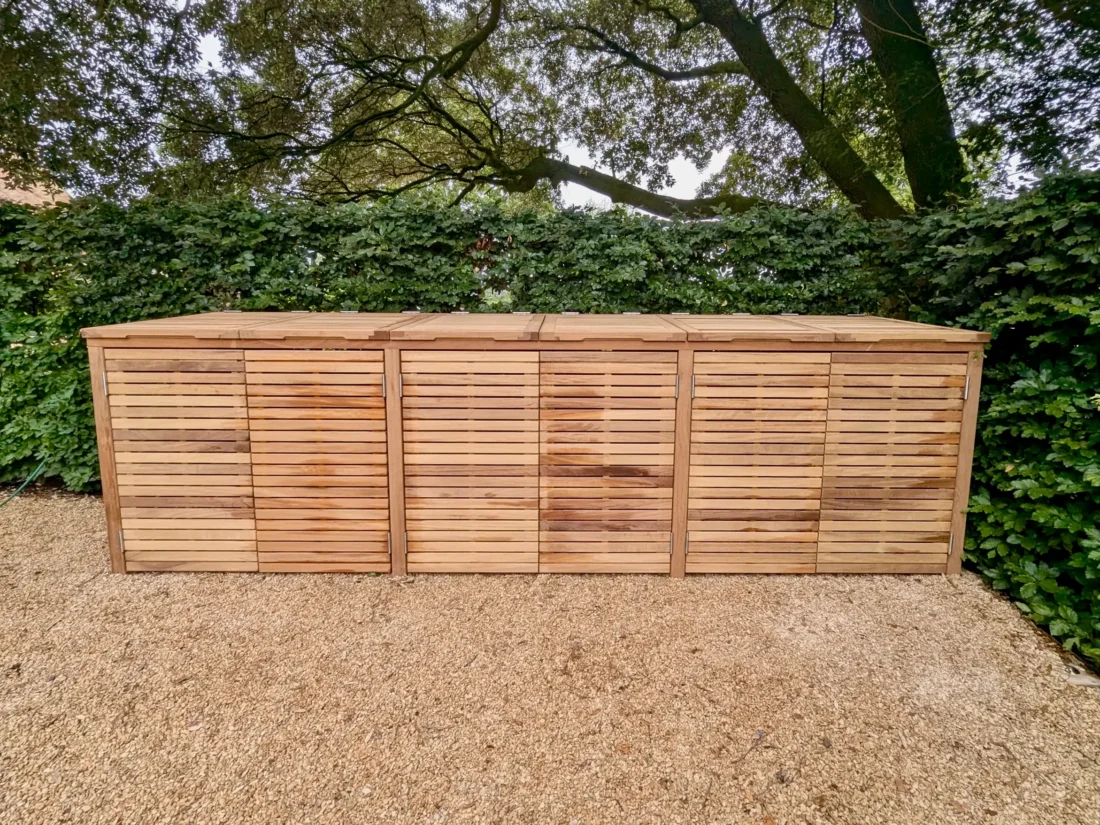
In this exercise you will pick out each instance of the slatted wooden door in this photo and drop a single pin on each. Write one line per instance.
(470, 422)
(608, 432)
(180, 428)
(757, 445)
(890, 461)
(318, 424)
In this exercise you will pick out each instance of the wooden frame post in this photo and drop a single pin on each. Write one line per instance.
(395, 459)
(681, 463)
(966, 457)
(97, 368)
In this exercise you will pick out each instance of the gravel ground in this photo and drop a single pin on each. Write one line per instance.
(520, 699)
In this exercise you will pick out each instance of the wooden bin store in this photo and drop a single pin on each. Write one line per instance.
(523, 443)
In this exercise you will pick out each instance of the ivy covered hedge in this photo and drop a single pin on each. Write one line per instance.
(1027, 270)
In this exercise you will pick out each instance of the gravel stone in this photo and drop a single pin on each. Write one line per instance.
(246, 698)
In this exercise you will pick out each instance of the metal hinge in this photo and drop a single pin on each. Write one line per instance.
(383, 384)
(693, 386)
(677, 394)
(950, 545)
(105, 390)
(670, 544)
(687, 542)
(400, 385)
(389, 543)
(966, 389)
(121, 543)
(406, 544)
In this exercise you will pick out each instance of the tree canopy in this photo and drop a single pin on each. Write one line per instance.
(889, 105)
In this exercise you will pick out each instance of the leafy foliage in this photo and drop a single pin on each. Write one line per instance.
(344, 100)
(1027, 270)
(83, 84)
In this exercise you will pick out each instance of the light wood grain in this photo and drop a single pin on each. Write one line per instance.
(182, 472)
(344, 459)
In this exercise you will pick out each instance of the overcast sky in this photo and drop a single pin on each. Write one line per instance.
(687, 177)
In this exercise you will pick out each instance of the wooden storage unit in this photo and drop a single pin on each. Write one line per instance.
(409, 442)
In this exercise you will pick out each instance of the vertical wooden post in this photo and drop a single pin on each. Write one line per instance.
(97, 366)
(966, 458)
(395, 459)
(681, 463)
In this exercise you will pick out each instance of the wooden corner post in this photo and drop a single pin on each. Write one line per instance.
(681, 463)
(961, 498)
(395, 459)
(97, 367)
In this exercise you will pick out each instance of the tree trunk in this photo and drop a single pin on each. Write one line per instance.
(823, 140)
(933, 161)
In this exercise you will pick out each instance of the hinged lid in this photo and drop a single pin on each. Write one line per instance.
(484, 326)
(610, 328)
(749, 328)
(869, 329)
(358, 326)
(565, 327)
(218, 325)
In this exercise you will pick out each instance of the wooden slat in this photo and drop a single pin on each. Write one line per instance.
(182, 457)
(883, 463)
(757, 444)
(965, 460)
(342, 462)
(577, 530)
(453, 404)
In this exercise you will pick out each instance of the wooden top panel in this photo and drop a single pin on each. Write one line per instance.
(483, 326)
(411, 327)
(872, 329)
(350, 326)
(609, 328)
(207, 325)
(748, 328)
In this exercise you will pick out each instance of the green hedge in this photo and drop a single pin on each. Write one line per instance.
(94, 263)
(1027, 270)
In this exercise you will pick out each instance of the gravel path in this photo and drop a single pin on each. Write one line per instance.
(529, 699)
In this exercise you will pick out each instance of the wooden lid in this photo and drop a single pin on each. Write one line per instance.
(482, 326)
(870, 329)
(748, 328)
(381, 326)
(348, 326)
(609, 328)
(209, 325)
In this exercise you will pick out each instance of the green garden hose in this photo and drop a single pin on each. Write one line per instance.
(23, 486)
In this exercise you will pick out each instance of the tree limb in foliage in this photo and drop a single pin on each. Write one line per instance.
(557, 171)
(822, 139)
(899, 46)
(610, 46)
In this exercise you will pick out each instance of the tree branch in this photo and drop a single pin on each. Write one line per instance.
(610, 46)
(462, 53)
(666, 206)
(824, 142)
(681, 26)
